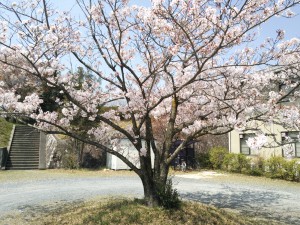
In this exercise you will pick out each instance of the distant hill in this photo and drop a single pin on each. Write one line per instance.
(5, 130)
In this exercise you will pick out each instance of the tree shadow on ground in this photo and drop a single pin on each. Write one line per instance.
(248, 202)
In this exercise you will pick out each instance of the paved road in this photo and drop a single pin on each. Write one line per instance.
(259, 197)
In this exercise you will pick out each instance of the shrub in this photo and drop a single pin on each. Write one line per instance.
(276, 167)
(203, 160)
(236, 162)
(297, 170)
(216, 156)
(168, 196)
(256, 167)
(254, 172)
(69, 161)
(292, 169)
(229, 159)
(258, 163)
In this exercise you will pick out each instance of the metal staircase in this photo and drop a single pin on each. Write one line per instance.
(24, 149)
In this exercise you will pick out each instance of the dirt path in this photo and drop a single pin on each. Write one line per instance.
(27, 194)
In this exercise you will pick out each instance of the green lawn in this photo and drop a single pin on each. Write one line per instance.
(5, 130)
(108, 211)
(111, 211)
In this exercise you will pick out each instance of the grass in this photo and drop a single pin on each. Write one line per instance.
(5, 130)
(127, 211)
(19, 175)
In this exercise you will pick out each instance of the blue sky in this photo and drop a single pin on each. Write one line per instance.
(290, 25)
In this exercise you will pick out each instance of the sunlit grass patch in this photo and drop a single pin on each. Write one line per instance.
(17, 175)
(5, 131)
(125, 211)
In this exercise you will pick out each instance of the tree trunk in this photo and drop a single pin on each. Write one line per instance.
(150, 192)
(79, 146)
(153, 184)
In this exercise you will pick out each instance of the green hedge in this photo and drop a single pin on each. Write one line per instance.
(274, 167)
(236, 163)
(216, 156)
(278, 167)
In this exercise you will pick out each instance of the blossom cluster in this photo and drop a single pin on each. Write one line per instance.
(189, 64)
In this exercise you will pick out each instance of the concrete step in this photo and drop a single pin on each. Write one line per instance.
(22, 139)
(9, 163)
(23, 147)
(26, 141)
(25, 158)
(32, 153)
(35, 167)
(30, 165)
(32, 162)
(22, 168)
(24, 151)
(26, 134)
(16, 138)
(25, 144)
(18, 150)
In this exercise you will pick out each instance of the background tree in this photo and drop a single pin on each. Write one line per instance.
(192, 65)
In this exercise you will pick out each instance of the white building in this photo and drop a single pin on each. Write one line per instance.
(125, 147)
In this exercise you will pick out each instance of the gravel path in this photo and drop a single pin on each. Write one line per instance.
(40, 191)
(260, 197)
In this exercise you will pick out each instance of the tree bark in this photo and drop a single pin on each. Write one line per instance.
(154, 183)
(150, 191)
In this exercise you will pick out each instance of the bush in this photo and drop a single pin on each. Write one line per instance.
(257, 167)
(292, 169)
(253, 172)
(297, 170)
(229, 159)
(69, 161)
(275, 167)
(216, 156)
(168, 196)
(236, 162)
(203, 160)
(258, 163)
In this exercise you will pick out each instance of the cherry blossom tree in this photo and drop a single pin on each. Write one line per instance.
(194, 66)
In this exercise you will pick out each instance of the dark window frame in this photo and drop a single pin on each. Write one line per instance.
(242, 138)
(295, 143)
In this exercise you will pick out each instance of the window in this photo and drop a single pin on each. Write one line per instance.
(244, 148)
(291, 144)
